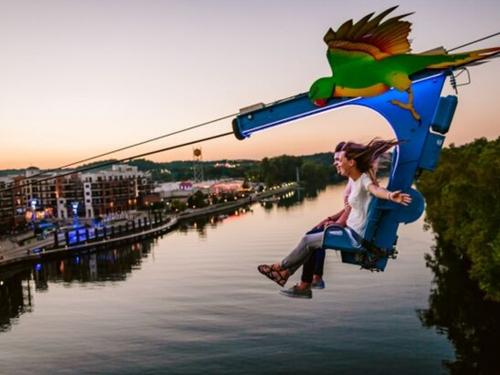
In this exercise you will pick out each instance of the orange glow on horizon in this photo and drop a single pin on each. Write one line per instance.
(77, 81)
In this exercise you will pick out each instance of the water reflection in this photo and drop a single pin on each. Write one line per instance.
(289, 199)
(202, 223)
(458, 309)
(15, 296)
(313, 191)
(18, 283)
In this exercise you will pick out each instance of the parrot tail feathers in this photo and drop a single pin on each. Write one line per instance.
(465, 58)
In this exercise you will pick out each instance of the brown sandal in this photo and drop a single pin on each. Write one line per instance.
(273, 274)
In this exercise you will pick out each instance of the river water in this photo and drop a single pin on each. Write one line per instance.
(192, 301)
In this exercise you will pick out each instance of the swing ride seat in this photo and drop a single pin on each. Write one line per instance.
(364, 251)
(355, 249)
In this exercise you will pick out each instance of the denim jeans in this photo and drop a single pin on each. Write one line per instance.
(311, 242)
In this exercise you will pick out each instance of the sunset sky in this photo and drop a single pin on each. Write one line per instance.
(79, 78)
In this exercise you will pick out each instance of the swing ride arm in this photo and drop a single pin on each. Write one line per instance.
(420, 147)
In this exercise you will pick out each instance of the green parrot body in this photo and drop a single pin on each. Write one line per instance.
(370, 57)
(363, 72)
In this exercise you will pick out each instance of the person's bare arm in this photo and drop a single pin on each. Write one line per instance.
(342, 220)
(330, 220)
(393, 196)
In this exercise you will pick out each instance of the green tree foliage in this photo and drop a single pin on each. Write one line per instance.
(6, 172)
(144, 164)
(96, 164)
(314, 174)
(463, 208)
(178, 205)
(197, 200)
(279, 169)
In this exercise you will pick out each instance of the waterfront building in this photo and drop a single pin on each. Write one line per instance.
(183, 189)
(122, 188)
(6, 204)
(49, 195)
(12, 203)
(232, 186)
(36, 195)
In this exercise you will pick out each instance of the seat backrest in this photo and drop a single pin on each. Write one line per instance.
(375, 209)
(372, 218)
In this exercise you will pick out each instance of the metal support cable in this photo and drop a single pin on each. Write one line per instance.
(139, 143)
(129, 158)
(475, 41)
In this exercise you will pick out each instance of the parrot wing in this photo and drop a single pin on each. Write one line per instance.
(368, 39)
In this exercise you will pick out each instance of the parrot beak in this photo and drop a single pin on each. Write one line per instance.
(320, 102)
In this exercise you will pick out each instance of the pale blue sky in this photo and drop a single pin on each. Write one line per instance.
(79, 78)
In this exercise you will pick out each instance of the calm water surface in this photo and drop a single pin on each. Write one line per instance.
(193, 302)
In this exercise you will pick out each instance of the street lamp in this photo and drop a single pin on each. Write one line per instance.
(74, 207)
(149, 205)
(33, 210)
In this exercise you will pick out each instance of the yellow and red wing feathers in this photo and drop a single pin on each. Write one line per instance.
(466, 58)
(372, 37)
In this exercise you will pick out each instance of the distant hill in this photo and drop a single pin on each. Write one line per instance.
(6, 172)
(325, 158)
(213, 169)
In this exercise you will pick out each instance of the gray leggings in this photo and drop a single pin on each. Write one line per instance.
(306, 247)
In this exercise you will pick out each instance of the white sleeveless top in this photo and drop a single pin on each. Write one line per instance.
(359, 199)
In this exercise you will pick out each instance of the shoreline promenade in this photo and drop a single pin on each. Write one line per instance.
(92, 239)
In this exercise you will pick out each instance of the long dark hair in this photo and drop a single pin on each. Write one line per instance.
(365, 155)
(339, 147)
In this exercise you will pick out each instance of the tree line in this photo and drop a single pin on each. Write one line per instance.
(463, 209)
(313, 170)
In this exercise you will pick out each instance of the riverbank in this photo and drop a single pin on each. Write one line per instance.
(92, 239)
(228, 206)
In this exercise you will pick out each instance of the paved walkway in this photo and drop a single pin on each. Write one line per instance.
(42, 248)
(10, 252)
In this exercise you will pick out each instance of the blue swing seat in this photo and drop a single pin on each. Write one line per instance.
(355, 249)
(372, 250)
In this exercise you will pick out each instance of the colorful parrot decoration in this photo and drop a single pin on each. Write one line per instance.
(369, 57)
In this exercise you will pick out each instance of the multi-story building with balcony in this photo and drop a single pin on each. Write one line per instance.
(48, 194)
(6, 204)
(12, 203)
(35, 194)
(120, 189)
